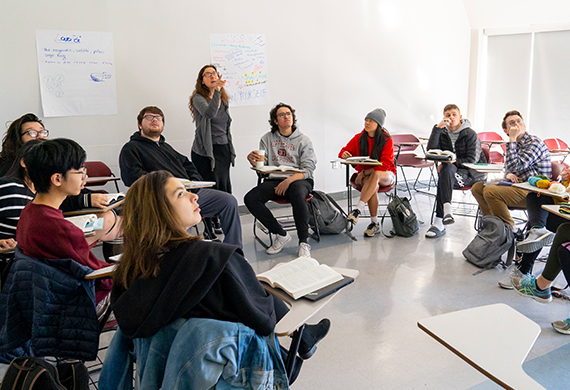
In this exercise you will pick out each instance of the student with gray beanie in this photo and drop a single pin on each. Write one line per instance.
(374, 142)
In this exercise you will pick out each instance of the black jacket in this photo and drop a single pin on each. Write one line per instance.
(197, 279)
(141, 155)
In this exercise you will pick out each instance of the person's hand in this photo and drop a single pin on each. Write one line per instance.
(515, 132)
(219, 83)
(253, 157)
(565, 175)
(444, 122)
(282, 187)
(99, 200)
(346, 154)
(512, 177)
(10, 243)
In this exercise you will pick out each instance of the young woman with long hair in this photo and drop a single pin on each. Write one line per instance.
(374, 142)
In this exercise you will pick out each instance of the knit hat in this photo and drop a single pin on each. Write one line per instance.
(378, 115)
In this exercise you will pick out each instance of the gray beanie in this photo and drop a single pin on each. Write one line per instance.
(378, 115)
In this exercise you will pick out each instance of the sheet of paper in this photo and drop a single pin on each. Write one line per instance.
(242, 61)
(77, 72)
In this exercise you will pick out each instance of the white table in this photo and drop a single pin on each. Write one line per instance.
(485, 168)
(527, 186)
(554, 209)
(494, 339)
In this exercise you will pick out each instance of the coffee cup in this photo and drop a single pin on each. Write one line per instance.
(261, 162)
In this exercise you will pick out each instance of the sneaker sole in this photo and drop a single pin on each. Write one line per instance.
(506, 286)
(366, 234)
(531, 247)
(352, 220)
(538, 299)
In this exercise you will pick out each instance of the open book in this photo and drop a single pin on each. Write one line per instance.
(300, 276)
(440, 155)
(114, 198)
(282, 168)
(363, 159)
(88, 222)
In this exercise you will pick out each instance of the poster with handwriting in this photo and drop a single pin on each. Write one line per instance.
(77, 73)
(242, 62)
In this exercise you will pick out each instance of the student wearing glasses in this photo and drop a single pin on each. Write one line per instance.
(56, 170)
(21, 130)
(284, 145)
(212, 151)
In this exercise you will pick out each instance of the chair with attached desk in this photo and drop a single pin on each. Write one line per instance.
(357, 187)
(96, 169)
(478, 336)
(50, 304)
(405, 146)
(558, 148)
(286, 221)
(489, 140)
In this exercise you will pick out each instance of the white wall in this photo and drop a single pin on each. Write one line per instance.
(333, 61)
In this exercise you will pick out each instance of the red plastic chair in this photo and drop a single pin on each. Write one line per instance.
(487, 138)
(99, 169)
(556, 144)
(405, 156)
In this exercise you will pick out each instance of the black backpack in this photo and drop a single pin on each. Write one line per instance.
(327, 215)
(31, 373)
(493, 240)
(404, 219)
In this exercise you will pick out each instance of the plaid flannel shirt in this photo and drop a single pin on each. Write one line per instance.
(528, 157)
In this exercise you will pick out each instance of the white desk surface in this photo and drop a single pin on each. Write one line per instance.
(494, 339)
(346, 162)
(190, 184)
(101, 272)
(527, 186)
(94, 210)
(301, 310)
(553, 208)
(409, 143)
(485, 168)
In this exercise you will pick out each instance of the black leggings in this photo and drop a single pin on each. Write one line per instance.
(221, 172)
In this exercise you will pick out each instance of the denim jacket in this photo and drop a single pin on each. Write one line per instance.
(226, 355)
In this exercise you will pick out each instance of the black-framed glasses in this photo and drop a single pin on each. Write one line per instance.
(284, 114)
(150, 118)
(35, 133)
(515, 122)
(210, 74)
(82, 172)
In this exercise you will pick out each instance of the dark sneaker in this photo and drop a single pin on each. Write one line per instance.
(353, 216)
(372, 229)
(527, 288)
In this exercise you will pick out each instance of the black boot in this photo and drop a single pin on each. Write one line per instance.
(311, 336)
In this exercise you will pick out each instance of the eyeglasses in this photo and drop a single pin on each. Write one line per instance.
(150, 118)
(210, 74)
(515, 122)
(82, 172)
(35, 133)
(285, 114)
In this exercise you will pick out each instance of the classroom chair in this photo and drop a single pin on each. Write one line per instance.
(489, 141)
(97, 169)
(405, 157)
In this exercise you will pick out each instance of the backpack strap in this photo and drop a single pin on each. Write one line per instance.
(392, 234)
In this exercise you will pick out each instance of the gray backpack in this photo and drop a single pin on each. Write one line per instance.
(493, 240)
(327, 216)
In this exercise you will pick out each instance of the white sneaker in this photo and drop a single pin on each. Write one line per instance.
(537, 238)
(304, 250)
(512, 271)
(278, 243)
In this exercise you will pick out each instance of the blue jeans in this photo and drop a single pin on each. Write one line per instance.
(197, 354)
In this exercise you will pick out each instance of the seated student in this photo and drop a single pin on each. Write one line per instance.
(21, 130)
(542, 224)
(166, 274)
(55, 167)
(374, 142)
(29, 127)
(526, 156)
(284, 145)
(147, 151)
(558, 260)
(455, 134)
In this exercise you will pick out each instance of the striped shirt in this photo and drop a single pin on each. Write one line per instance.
(14, 196)
(528, 157)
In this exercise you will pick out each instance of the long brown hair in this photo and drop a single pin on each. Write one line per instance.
(150, 228)
(12, 141)
(202, 90)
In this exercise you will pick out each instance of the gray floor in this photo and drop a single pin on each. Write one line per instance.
(374, 342)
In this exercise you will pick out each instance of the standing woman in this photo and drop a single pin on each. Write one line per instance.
(373, 141)
(21, 130)
(212, 151)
